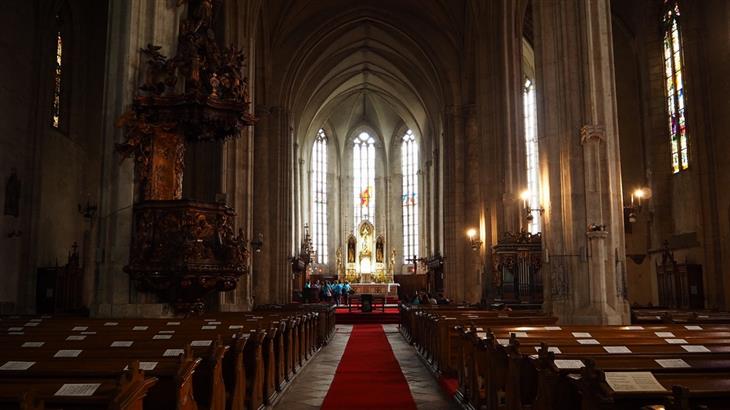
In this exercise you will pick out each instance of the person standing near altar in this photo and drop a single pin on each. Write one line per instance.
(337, 292)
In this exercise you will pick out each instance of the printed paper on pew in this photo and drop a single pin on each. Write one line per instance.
(161, 337)
(553, 328)
(74, 337)
(78, 389)
(581, 334)
(79, 328)
(589, 342)
(88, 333)
(208, 327)
(32, 324)
(633, 328)
(111, 323)
(616, 349)
(146, 366)
(138, 328)
(15, 329)
(503, 342)
(664, 334)
(122, 343)
(633, 381)
(33, 344)
(173, 352)
(672, 363)
(553, 349)
(233, 327)
(520, 334)
(68, 353)
(696, 349)
(568, 364)
(14, 365)
(166, 332)
(173, 323)
(200, 343)
(675, 341)
(693, 327)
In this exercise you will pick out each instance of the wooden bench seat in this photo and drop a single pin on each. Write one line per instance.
(244, 358)
(507, 373)
(126, 392)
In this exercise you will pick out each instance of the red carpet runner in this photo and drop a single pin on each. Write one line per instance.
(369, 376)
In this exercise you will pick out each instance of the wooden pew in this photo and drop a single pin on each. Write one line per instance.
(126, 392)
(279, 341)
(510, 373)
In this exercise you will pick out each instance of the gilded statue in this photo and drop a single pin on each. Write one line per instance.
(338, 261)
(392, 262)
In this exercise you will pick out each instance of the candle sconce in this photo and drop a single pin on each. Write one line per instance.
(258, 243)
(87, 211)
(635, 205)
(474, 242)
(527, 209)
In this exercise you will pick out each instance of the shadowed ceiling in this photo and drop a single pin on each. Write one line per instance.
(348, 63)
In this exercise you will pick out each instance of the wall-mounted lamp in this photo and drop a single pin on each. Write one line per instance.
(87, 211)
(634, 207)
(258, 243)
(14, 233)
(474, 241)
(526, 209)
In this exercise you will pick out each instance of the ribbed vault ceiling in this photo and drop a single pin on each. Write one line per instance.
(378, 63)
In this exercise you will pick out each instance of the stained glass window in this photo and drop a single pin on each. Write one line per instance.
(319, 196)
(409, 166)
(56, 109)
(674, 85)
(532, 159)
(363, 171)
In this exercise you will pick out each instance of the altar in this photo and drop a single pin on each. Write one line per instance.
(365, 267)
(386, 289)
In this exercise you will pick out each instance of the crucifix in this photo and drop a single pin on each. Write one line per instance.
(415, 261)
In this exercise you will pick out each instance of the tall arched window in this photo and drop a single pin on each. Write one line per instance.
(57, 75)
(319, 195)
(532, 159)
(363, 172)
(674, 85)
(409, 166)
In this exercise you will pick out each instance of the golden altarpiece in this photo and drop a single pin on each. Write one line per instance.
(365, 266)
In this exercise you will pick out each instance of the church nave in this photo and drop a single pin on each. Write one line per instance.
(310, 388)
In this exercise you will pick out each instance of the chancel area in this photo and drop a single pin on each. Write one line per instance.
(364, 204)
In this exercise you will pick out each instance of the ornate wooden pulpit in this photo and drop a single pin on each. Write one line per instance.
(182, 250)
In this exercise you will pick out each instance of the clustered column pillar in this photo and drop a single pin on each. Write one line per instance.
(583, 236)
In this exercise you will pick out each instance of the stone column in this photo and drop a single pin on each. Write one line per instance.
(132, 25)
(453, 204)
(272, 207)
(473, 206)
(261, 265)
(238, 186)
(577, 122)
